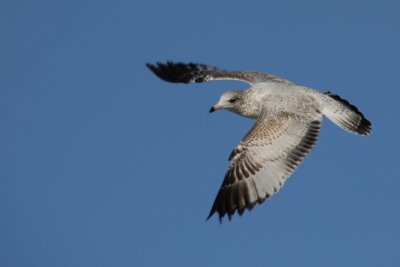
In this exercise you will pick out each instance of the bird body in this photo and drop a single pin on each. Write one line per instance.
(288, 119)
(272, 96)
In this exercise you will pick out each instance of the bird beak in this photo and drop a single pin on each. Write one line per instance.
(214, 108)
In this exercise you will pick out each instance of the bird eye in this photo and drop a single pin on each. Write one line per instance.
(232, 100)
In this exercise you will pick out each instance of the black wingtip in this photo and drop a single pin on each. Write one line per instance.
(177, 72)
(170, 71)
(210, 215)
(152, 67)
(365, 126)
(220, 216)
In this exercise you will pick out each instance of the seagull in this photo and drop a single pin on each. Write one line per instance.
(287, 123)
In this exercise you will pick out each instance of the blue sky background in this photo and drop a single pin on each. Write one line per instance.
(103, 164)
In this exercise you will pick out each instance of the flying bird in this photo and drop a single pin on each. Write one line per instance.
(287, 123)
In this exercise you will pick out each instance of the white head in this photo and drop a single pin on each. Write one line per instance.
(240, 102)
(233, 101)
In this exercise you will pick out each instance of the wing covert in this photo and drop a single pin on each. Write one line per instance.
(266, 156)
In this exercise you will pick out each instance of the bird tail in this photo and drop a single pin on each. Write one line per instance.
(344, 114)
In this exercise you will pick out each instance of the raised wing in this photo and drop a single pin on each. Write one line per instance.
(192, 72)
(267, 155)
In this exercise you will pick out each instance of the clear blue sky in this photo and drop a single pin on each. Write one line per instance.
(103, 164)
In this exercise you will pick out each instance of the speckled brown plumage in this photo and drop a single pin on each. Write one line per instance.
(288, 120)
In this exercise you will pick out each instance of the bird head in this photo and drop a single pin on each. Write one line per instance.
(231, 100)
